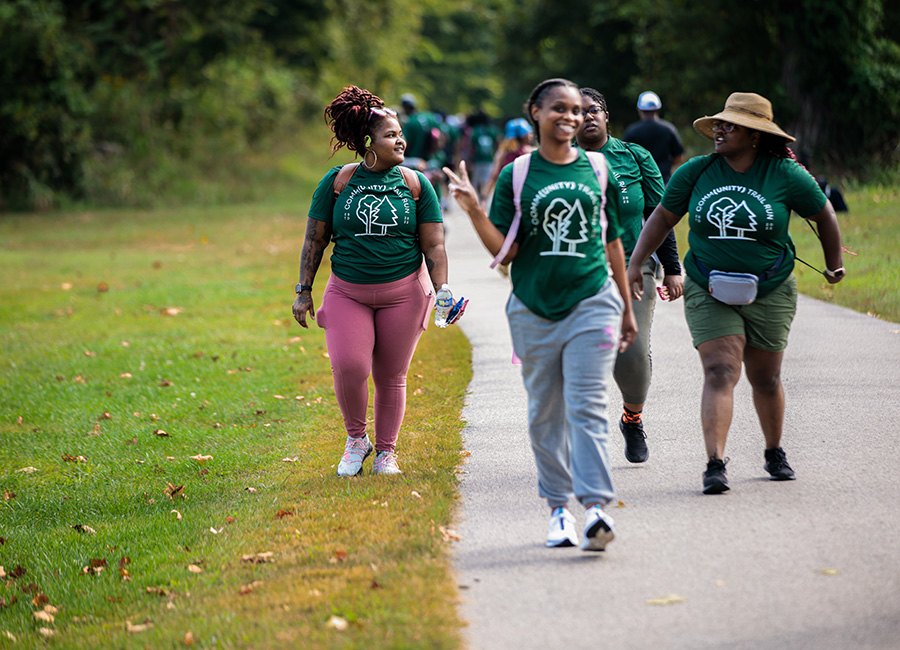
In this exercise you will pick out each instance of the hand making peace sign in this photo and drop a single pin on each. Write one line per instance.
(462, 189)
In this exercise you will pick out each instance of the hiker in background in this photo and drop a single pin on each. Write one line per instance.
(657, 136)
(483, 138)
(421, 131)
(641, 187)
(518, 139)
(387, 264)
(740, 293)
(565, 312)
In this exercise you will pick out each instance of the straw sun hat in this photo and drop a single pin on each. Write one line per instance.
(746, 109)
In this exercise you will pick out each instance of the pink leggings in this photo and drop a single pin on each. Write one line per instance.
(373, 329)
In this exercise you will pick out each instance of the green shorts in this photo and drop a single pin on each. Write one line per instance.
(766, 322)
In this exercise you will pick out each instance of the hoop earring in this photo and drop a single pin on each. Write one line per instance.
(366, 165)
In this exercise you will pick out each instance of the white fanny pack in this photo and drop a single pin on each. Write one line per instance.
(733, 288)
(737, 288)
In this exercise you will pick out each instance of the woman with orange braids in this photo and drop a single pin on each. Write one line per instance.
(387, 264)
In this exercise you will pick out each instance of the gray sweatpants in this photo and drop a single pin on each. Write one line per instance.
(633, 367)
(566, 367)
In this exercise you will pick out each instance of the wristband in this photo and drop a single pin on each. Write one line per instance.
(837, 273)
(302, 287)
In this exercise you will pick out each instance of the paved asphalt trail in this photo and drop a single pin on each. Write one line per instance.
(813, 563)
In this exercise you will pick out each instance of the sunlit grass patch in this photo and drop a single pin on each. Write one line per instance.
(183, 435)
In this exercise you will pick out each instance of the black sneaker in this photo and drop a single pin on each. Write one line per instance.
(777, 465)
(635, 441)
(715, 478)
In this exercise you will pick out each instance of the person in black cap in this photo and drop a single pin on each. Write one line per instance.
(657, 136)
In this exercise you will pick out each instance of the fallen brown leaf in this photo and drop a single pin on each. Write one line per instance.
(173, 491)
(340, 555)
(40, 600)
(337, 623)
(27, 470)
(229, 519)
(188, 638)
(160, 433)
(125, 375)
(46, 632)
(140, 627)
(281, 514)
(171, 311)
(250, 489)
(449, 534)
(177, 514)
(18, 572)
(102, 287)
(246, 589)
(201, 458)
(258, 558)
(106, 416)
(7, 495)
(290, 460)
(193, 568)
(89, 353)
(81, 528)
(668, 599)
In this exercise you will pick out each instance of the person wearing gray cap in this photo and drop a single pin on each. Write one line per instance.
(656, 135)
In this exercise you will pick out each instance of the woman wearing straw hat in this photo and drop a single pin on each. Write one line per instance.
(740, 293)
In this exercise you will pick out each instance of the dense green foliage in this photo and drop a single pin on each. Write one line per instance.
(117, 101)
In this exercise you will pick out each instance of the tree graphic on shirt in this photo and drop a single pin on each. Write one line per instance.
(565, 223)
(734, 220)
(373, 211)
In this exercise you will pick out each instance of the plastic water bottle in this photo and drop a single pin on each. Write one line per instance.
(442, 304)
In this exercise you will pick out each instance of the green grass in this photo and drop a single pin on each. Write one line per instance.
(871, 230)
(82, 307)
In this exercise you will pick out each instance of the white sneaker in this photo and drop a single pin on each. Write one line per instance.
(561, 531)
(598, 529)
(386, 463)
(355, 452)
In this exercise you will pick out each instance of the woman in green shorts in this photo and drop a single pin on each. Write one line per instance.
(565, 312)
(739, 201)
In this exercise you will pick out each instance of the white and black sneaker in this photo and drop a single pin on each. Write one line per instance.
(598, 529)
(561, 531)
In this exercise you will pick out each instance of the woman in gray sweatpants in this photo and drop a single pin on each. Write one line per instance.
(554, 216)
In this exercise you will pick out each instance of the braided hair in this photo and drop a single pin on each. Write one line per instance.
(597, 97)
(536, 98)
(777, 147)
(349, 117)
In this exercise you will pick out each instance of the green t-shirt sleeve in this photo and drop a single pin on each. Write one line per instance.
(428, 207)
(322, 206)
(502, 207)
(677, 195)
(805, 196)
(651, 178)
(614, 229)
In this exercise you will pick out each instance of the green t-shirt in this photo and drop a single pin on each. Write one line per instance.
(640, 186)
(739, 221)
(374, 224)
(484, 143)
(417, 131)
(561, 259)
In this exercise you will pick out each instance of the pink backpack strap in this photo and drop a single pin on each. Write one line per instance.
(520, 172)
(598, 164)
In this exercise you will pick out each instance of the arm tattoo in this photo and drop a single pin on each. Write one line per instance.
(429, 264)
